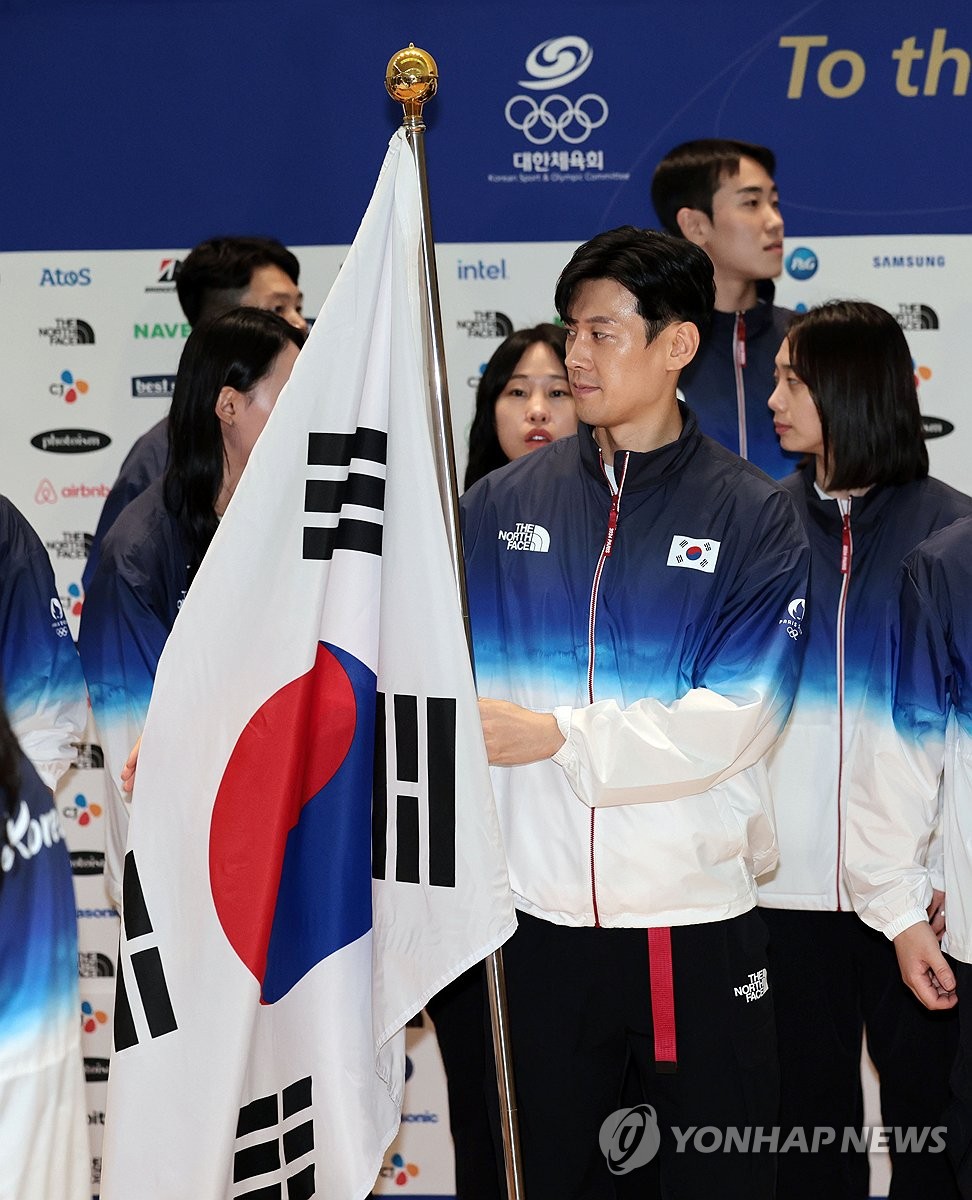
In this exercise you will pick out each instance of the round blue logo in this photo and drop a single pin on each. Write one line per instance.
(801, 263)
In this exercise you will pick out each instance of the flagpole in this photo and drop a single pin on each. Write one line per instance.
(412, 79)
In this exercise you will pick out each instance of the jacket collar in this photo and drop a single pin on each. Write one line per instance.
(865, 510)
(645, 470)
(757, 318)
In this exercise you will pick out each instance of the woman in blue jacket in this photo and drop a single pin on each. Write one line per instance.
(845, 397)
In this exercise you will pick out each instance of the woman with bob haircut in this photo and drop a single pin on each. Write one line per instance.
(846, 399)
(523, 401)
(231, 372)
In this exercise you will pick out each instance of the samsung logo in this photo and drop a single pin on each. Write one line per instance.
(908, 260)
(70, 441)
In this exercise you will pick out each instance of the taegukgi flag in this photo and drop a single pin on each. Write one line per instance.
(279, 927)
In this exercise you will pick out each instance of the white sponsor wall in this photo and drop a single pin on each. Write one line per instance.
(90, 344)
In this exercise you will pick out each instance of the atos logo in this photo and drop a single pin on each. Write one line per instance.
(801, 263)
(91, 1017)
(55, 277)
(68, 388)
(81, 811)
(70, 441)
(153, 387)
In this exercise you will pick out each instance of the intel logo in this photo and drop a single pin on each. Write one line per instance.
(801, 263)
(70, 441)
(156, 387)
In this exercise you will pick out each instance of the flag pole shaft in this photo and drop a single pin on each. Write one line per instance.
(412, 78)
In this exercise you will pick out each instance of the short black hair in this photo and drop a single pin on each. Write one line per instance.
(217, 272)
(485, 451)
(856, 363)
(670, 278)
(691, 174)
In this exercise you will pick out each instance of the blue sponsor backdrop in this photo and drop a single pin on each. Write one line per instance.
(129, 124)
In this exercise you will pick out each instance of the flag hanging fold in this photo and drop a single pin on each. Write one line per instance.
(313, 850)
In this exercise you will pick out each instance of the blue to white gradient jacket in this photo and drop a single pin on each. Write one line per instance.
(39, 668)
(129, 611)
(857, 546)
(921, 768)
(663, 630)
(43, 1116)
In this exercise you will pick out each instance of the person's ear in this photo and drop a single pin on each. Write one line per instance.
(683, 346)
(227, 404)
(695, 226)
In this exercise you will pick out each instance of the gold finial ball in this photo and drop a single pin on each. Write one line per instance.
(412, 76)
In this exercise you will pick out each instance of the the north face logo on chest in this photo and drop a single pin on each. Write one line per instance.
(525, 536)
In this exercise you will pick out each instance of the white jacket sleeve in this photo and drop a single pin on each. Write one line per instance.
(651, 752)
(893, 810)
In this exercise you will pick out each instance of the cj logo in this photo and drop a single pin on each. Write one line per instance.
(554, 64)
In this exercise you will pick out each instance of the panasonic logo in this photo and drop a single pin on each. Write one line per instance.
(70, 441)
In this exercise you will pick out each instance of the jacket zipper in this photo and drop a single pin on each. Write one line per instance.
(846, 558)
(739, 362)
(606, 551)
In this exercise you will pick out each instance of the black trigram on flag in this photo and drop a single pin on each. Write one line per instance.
(272, 1134)
(345, 488)
(415, 778)
(149, 978)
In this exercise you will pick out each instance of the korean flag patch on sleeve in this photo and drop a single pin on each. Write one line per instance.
(698, 554)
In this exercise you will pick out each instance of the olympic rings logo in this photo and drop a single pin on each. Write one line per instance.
(557, 116)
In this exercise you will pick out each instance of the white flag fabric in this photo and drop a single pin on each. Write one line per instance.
(276, 937)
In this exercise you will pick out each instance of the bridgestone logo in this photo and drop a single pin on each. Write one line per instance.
(526, 537)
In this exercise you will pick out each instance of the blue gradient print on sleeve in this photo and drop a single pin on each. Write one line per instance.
(38, 930)
(845, 688)
(39, 668)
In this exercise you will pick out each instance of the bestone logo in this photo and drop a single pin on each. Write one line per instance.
(153, 387)
(801, 263)
(556, 63)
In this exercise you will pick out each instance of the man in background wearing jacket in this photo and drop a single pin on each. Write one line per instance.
(721, 195)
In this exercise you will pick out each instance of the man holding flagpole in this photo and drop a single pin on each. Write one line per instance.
(635, 597)
(313, 850)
